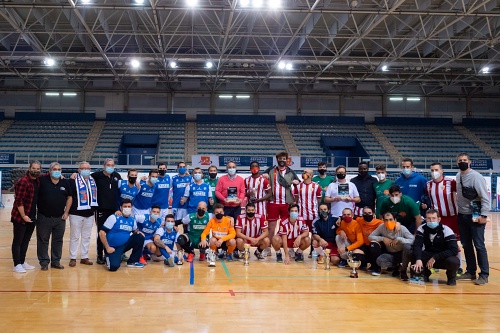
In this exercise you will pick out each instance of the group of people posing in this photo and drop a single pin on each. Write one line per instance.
(375, 220)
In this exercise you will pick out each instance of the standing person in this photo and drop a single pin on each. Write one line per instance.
(212, 180)
(365, 186)
(143, 200)
(106, 181)
(179, 183)
(81, 214)
(381, 187)
(281, 179)
(162, 190)
(412, 183)
(472, 198)
(128, 188)
(323, 180)
(257, 189)
(23, 215)
(404, 209)
(230, 191)
(54, 203)
(341, 194)
(196, 192)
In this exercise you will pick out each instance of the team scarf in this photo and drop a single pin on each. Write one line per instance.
(83, 191)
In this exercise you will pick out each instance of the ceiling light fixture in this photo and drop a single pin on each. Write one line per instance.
(135, 63)
(49, 62)
(173, 64)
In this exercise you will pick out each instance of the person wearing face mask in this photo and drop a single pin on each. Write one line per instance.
(223, 233)
(166, 240)
(196, 192)
(128, 188)
(323, 233)
(257, 189)
(252, 228)
(307, 195)
(179, 183)
(54, 203)
(368, 222)
(341, 194)
(162, 190)
(411, 183)
(381, 187)
(148, 224)
(120, 234)
(106, 181)
(81, 214)
(194, 224)
(230, 191)
(293, 234)
(403, 208)
(391, 247)
(472, 191)
(364, 184)
(350, 238)
(435, 246)
(23, 215)
(143, 199)
(212, 180)
(323, 180)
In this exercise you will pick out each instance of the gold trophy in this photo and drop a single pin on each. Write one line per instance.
(327, 259)
(246, 254)
(353, 264)
(180, 257)
(210, 257)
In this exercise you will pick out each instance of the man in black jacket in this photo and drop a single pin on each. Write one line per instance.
(364, 183)
(435, 246)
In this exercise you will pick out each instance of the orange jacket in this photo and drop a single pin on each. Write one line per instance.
(368, 227)
(353, 232)
(221, 230)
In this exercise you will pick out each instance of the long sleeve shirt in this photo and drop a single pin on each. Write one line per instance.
(440, 241)
(228, 188)
(353, 232)
(221, 230)
(404, 236)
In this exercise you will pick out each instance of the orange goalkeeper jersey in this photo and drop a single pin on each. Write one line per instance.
(221, 230)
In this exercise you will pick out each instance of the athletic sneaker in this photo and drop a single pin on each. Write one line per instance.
(169, 261)
(404, 276)
(279, 257)
(203, 257)
(481, 280)
(376, 272)
(28, 266)
(299, 257)
(19, 269)
(460, 271)
(259, 255)
(342, 263)
(236, 256)
(135, 265)
(221, 254)
(229, 257)
(191, 257)
(100, 260)
(466, 277)
(143, 261)
(452, 282)
(179, 261)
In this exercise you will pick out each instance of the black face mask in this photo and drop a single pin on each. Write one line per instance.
(34, 173)
(367, 218)
(323, 214)
(282, 163)
(162, 172)
(341, 175)
(322, 171)
(132, 180)
(219, 216)
(200, 212)
(212, 175)
(463, 166)
(250, 215)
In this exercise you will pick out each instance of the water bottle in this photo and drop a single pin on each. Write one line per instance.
(315, 259)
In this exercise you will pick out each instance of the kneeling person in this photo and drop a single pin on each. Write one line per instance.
(120, 234)
(252, 229)
(293, 233)
(148, 224)
(323, 233)
(166, 239)
(194, 223)
(350, 238)
(223, 232)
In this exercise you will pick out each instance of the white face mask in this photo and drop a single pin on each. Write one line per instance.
(231, 171)
(435, 174)
(395, 200)
(381, 176)
(127, 211)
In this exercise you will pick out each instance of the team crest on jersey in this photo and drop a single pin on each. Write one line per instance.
(386, 192)
(218, 229)
(402, 214)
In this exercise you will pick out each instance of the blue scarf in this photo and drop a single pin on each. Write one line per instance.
(83, 193)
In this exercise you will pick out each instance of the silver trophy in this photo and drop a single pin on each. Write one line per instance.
(246, 254)
(180, 257)
(353, 264)
(327, 259)
(210, 257)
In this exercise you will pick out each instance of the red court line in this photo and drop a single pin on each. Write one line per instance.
(232, 293)
(496, 269)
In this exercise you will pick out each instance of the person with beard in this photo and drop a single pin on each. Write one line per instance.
(368, 223)
(129, 188)
(365, 185)
(257, 189)
(251, 228)
(162, 190)
(194, 224)
(350, 238)
(412, 183)
(341, 194)
(323, 180)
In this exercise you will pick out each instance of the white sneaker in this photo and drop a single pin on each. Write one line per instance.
(28, 266)
(19, 269)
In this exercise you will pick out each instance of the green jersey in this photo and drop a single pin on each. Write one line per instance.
(323, 182)
(196, 226)
(212, 183)
(404, 211)
(382, 192)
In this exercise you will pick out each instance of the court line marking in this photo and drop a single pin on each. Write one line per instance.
(226, 270)
(191, 273)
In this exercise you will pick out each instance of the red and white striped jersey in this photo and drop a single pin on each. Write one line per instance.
(261, 186)
(279, 195)
(293, 230)
(307, 196)
(251, 228)
(442, 196)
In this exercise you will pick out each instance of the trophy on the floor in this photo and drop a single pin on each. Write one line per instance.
(353, 264)
(246, 254)
(211, 257)
(180, 257)
(327, 259)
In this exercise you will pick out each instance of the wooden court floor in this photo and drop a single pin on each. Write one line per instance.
(263, 297)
